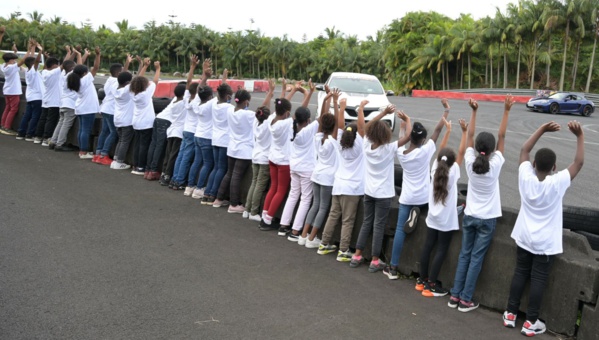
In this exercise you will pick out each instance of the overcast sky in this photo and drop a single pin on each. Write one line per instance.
(273, 18)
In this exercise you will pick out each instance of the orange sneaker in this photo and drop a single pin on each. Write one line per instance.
(96, 159)
(105, 160)
(419, 284)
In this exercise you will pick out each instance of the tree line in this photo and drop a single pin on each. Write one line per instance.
(536, 44)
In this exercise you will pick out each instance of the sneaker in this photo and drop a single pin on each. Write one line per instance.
(96, 159)
(509, 320)
(344, 256)
(8, 132)
(326, 249)
(267, 227)
(245, 214)
(206, 200)
(284, 230)
(302, 240)
(256, 217)
(120, 166)
(29, 139)
(164, 180)
(410, 224)
(177, 186)
(197, 193)
(356, 262)
(220, 203)
(373, 268)
(419, 284)
(51, 146)
(19, 137)
(238, 209)
(466, 306)
(105, 160)
(188, 191)
(293, 238)
(37, 140)
(86, 155)
(461, 209)
(64, 148)
(138, 171)
(433, 290)
(391, 272)
(532, 329)
(45, 142)
(453, 302)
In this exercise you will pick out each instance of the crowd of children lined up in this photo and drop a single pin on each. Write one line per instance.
(204, 142)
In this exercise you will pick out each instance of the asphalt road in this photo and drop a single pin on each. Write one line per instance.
(522, 123)
(91, 253)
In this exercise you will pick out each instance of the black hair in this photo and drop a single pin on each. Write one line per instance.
(223, 91)
(9, 56)
(51, 62)
(74, 78)
(327, 123)
(115, 69)
(545, 160)
(418, 134)
(282, 106)
(124, 78)
(349, 136)
(378, 132)
(485, 145)
(205, 93)
(180, 90)
(68, 65)
(445, 160)
(193, 88)
(262, 114)
(139, 84)
(29, 61)
(302, 115)
(242, 95)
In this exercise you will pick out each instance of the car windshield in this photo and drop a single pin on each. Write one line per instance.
(558, 96)
(357, 85)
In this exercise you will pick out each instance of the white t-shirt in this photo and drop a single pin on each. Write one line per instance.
(123, 107)
(303, 152)
(349, 178)
(220, 126)
(108, 102)
(143, 108)
(87, 97)
(380, 173)
(241, 133)
(483, 200)
(444, 217)
(538, 227)
(52, 84)
(416, 173)
(191, 116)
(67, 97)
(167, 112)
(262, 140)
(326, 162)
(281, 132)
(204, 113)
(35, 86)
(12, 81)
(176, 128)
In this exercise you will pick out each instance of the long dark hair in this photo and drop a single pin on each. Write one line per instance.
(282, 106)
(302, 114)
(445, 160)
(74, 78)
(262, 114)
(418, 134)
(485, 145)
(349, 136)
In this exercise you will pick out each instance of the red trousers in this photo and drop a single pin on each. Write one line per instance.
(280, 178)
(10, 110)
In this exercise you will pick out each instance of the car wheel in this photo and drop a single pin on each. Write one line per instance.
(581, 219)
(593, 239)
(587, 110)
(554, 108)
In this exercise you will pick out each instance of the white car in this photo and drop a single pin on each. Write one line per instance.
(356, 87)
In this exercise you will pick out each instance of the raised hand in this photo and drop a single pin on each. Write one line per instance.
(447, 124)
(14, 48)
(46, 54)
(271, 85)
(194, 60)
(147, 62)
(157, 64)
(207, 65)
(336, 93)
(473, 104)
(86, 52)
(97, 50)
(311, 85)
(343, 102)
(463, 125)
(364, 102)
(445, 104)
(67, 48)
(327, 89)
(389, 109)
(39, 47)
(139, 60)
(2, 29)
(551, 127)
(402, 115)
(129, 58)
(78, 47)
(575, 128)
(509, 101)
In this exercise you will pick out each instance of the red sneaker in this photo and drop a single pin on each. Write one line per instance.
(96, 159)
(153, 176)
(105, 160)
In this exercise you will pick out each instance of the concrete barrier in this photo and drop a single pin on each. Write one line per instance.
(466, 96)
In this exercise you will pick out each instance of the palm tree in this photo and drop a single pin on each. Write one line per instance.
(586, 14)
(551, 17)
(533, 21)
(123, 25)
(464, 40)
(35, 16)
(595, 33)
(332, 33)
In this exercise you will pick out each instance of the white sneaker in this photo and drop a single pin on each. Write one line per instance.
(245, 214)
(119, 166)
(509, 320)
(188, 191)
(313, 244)
(302, 240)
(256, 217)
(87, 155)
(531, 329)
(197, 193)
(37, 140)
(45, 142)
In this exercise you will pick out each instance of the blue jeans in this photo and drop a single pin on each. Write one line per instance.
(185, 157)
(198, 161)
(221, 163)
(108, 135)
(477, 235)
(400, 235)
(86, 124)
(208, 160)
(28, 125)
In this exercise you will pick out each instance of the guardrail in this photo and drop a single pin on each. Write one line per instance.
(523, 92)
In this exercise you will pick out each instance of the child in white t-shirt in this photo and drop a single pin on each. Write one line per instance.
(538, 229)
(442, 218)
(33, 94)
(51, 75)
(12, 89)
(379, 155)
(483, 163)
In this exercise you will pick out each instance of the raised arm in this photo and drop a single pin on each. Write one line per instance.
(21, 61)
(156, 72)
(507, 106)
(361, 121)
(193, 63)
(284, 89)
(388, 110)
(68, 55)
(206, 71)
(462, 148)
(144, 66)
(472, 125)
(96, 66)
(85, 55)
(269, 94)
(534, 138)
(575, 167)
(79, 60)
(340, 118)
(38, 57)
(297, 87)
(338, 109)
(128, 61)
(225, 75)
(447, 133)
(403, 140)
(326, 103)
(441, 122)
(308, 95)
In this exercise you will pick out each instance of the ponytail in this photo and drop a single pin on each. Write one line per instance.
(295, 131)
(485, 145)
(445, 161)
(262, 114)
(302, 116)
(74, 78)
(349, 137)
